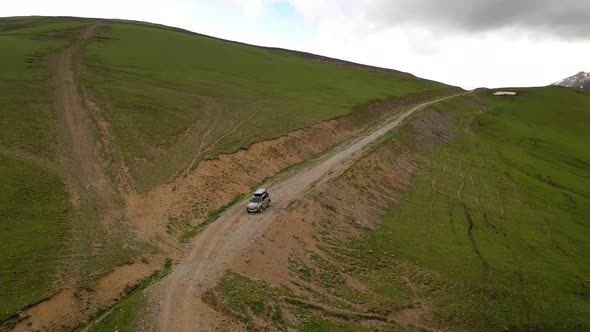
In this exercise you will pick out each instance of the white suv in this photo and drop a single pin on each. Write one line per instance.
(259, 201)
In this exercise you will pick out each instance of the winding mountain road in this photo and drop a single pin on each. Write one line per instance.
(211, 251)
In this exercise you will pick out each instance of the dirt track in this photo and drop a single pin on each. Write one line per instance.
(79, 144)
(210, 253)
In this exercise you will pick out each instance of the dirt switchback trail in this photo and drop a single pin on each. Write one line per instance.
(210, 252)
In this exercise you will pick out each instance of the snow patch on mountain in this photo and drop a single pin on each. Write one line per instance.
(580, 80)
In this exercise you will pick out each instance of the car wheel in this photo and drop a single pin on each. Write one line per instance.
(269, 201)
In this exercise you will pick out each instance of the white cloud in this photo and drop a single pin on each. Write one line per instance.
(504, 56)
(253, 8)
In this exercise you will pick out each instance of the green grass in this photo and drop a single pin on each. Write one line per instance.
(246, 298)
(159, 106)
(165, 92)
(508, 251)
(314, 323)
(28, 122)
(298, 267)
(124, 316)
(43, 237)
(33, 205)
(524, 164)
(33, 201)
(252, 300)
(126, 313)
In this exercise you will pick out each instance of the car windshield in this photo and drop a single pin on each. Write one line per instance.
(256, 199)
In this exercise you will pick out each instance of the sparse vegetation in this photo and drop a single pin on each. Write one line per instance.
(246, 298)
(211, 217)
(314, 323)
(300, 268)
(123, 316)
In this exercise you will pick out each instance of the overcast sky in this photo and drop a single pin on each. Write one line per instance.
(470, 43)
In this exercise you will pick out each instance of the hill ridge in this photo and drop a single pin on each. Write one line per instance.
(581, 80)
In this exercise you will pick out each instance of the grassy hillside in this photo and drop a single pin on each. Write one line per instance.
(171, 96)
(490, 234)
(33, 200)
(28, 121)
(33, 203)
(495, 224)
(506, 231)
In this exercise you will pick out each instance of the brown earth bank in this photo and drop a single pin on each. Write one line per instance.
(166, 212)
(66, 310)
(102, 193)
(302, 249)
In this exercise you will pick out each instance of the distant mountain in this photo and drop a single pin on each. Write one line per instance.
(581, 80)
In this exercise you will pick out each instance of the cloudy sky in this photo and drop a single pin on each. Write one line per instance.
(469, 43)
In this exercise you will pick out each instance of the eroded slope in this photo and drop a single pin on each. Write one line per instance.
(472, 216)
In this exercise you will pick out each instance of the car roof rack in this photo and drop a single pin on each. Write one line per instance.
(260, 191)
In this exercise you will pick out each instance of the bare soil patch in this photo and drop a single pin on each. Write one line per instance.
(67, 309)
